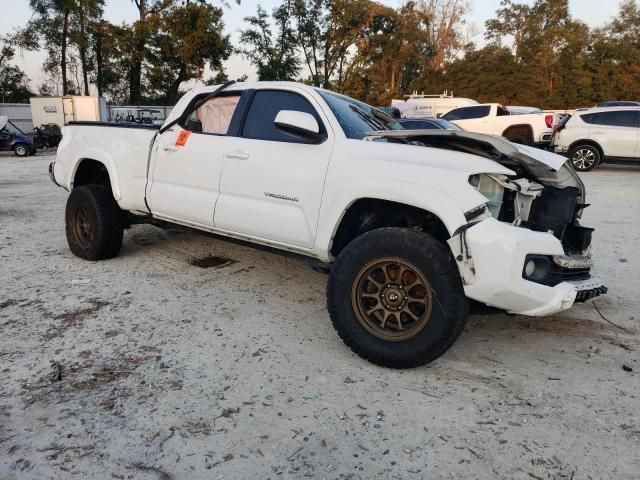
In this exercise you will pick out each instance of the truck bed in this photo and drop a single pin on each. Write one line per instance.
(123, 148)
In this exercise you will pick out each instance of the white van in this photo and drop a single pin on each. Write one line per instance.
(429, 106)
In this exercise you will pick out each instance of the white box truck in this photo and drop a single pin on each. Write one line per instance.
(61, 110)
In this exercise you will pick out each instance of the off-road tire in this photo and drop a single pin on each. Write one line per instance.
(21, 150)
(103, 216)
(435, 261)
(590, 159)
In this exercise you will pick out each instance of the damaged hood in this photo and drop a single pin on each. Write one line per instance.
(461, 139)
(546, 167)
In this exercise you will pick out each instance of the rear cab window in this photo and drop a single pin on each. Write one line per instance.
(213, 116)
(468, 113)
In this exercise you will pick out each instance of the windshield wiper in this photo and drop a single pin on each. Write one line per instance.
(372, 121)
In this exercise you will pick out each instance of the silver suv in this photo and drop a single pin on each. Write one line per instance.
(599, 135)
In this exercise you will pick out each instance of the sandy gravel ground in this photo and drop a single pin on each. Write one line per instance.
(148, 367)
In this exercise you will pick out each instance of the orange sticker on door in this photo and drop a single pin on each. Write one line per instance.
(183, 136)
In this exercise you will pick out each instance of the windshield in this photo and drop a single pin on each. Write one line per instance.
(357, 119)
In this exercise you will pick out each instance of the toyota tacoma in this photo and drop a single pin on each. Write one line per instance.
(416, 227)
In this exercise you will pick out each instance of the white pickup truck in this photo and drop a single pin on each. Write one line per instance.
(416, 227)
(494, 119)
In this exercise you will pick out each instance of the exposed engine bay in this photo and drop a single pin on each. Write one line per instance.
(538, 197)
(544, 195)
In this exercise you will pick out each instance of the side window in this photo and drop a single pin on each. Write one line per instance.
(214, 116)
(628, 118)
(468, 113)
(589, 118)
(266, 104)
(411, 125)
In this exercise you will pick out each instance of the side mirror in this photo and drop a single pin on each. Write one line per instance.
(299, 124)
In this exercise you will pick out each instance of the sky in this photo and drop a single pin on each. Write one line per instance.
(16, 13)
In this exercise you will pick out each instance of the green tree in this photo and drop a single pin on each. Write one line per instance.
(615, 56)
(393, 55)
(14, 85)
(183, 41)
(113, 60)
(275, 57)
(64, 27)
(549, 46)
(84, 16)
(51, 19)
(490, 74)
(326, 31)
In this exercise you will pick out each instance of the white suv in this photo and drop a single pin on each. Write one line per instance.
(599, 135)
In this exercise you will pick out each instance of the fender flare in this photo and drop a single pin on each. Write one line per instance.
(105, 159)
(587, 141)
(528, 126)
(436, 201)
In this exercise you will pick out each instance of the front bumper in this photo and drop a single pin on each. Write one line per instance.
(491, 255)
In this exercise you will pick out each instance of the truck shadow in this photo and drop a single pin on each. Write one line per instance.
(582, 321)
(266, 272)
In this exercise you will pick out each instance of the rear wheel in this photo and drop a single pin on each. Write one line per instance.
(585, 157)
(93, 223)
(21, 150)
(396, 299)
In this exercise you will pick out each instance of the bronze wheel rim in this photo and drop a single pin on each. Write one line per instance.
(392, 299)
(82, 227)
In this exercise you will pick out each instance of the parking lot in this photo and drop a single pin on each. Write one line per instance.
(150, 366)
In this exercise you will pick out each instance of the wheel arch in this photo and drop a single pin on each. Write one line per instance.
(589, 142)
(365, 214)
(522, 127)
(95, 169)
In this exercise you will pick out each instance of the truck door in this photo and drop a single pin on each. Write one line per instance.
(272, 182)
(187, 161)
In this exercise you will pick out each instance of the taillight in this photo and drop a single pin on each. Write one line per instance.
(549, 121)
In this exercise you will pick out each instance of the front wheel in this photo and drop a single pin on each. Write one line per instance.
(93, 223)
(396, 298)
(21, 150)
(585, 157)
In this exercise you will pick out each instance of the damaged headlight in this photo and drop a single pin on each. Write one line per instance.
(492, 190)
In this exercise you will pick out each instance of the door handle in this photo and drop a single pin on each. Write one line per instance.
(170, 149)
(236, 155)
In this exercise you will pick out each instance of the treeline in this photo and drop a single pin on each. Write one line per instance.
(143, 62)
(536, 55)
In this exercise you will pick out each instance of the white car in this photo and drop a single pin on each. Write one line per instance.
(494, 119)
(416, 226)
(599, 135)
